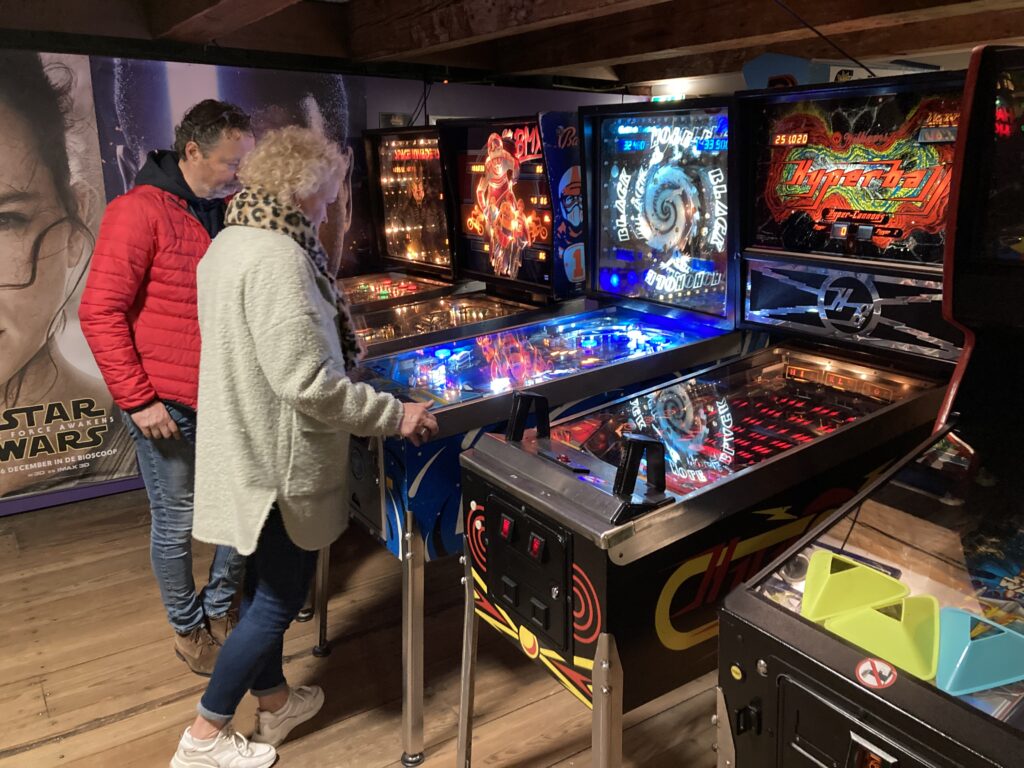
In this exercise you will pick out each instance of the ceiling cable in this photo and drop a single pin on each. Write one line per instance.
(826, 38)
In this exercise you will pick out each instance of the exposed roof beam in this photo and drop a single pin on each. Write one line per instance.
(113, 18)
(314, 29)
(893, 42)
(397, 30)
(677, 29)
(202, 21)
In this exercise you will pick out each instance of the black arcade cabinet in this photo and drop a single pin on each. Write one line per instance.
(892, 635)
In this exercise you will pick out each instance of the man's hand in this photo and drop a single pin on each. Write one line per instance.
(418, 424)
(155, 422)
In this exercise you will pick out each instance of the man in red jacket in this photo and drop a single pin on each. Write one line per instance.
(138, 313)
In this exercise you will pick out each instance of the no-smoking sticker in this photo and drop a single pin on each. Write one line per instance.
(875, 673)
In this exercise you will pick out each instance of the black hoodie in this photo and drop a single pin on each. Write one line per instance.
(161, 170)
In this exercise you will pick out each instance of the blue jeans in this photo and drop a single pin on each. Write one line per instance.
(277, 579)
(168, 469)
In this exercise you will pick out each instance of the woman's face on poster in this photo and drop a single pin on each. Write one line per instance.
(339, 217)
(308, 113)
(35, 246)
(272, 99)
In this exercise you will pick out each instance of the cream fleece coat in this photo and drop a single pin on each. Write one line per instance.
(275, 406)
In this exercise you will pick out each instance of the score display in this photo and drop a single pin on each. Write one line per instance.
(790, 140)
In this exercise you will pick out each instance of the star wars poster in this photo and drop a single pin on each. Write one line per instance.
(139, 102)
(59, 428)
(74, 132)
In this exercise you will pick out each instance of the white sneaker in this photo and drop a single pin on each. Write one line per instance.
(227, 749)
(303, 704)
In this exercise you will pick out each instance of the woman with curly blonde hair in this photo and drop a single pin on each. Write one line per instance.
(277, 409)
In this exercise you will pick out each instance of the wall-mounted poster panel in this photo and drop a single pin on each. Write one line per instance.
(74, 132)
(59, 427)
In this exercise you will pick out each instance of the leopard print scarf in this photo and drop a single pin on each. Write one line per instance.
(256, 208)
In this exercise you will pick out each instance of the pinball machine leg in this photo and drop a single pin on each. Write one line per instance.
(464, 754)
(724, 745)
(323, 572)
(412, 644)
(607, 718)
(309, 609)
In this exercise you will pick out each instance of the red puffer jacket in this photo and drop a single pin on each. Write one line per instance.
(138, 310)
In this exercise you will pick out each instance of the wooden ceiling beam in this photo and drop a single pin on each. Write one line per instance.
(202, 21)
(903, 40)
(111, 18)
(312, 29)
(398, 30)
(676, 30)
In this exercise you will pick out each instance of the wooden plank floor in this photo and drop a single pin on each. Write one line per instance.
(88, 676)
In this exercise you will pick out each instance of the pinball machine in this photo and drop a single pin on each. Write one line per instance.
(623, 334)
(419, 193)
(601, 544)
(892, 634)
(579, 354)
(408, 209)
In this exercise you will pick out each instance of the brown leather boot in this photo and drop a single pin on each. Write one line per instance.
(221, 626)
(198, 649)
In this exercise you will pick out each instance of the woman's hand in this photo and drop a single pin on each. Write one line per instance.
(418, 424)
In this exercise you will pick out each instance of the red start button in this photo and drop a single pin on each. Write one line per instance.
(536, 546)
(564, 458)
(507, 526)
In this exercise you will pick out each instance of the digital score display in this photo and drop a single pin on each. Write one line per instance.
(632, 145)
(1004, 122)
(866, 177)
(790, 140)
(663, 199)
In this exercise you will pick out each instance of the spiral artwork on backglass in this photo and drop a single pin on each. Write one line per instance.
(664, 207)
